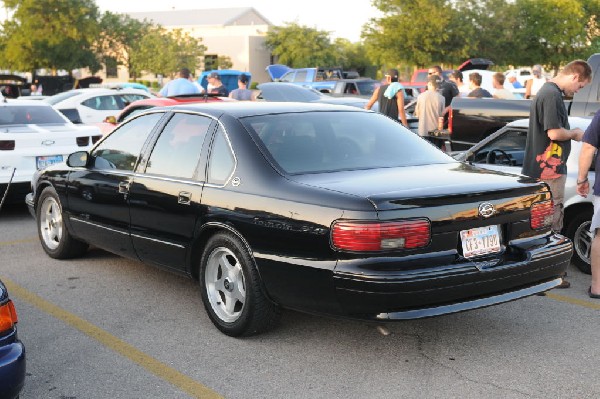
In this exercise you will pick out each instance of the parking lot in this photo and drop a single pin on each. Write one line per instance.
(107, 327)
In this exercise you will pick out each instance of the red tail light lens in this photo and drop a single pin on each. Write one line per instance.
(381, 236)
(8, 316)
(7, 145)
(542, 214)
(83, 141)
(450, 120)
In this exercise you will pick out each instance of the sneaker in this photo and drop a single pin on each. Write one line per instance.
(564, 284)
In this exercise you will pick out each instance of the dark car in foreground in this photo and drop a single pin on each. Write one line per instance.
(12, 351)
(320, 208)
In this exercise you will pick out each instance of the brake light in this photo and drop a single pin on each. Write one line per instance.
(8, 316)
(381, 236)
(7, 145)
(83, 141)
(450, 120)
(542, 214)
(95, 139)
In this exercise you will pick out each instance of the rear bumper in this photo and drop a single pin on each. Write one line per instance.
(12, 367)
(377, 294)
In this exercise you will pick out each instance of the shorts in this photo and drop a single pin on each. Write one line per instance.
(596, 218)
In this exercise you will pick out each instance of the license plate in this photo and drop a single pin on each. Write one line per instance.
(480, 241)
(44, 162)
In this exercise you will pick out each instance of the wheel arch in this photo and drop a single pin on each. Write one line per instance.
(574, 209)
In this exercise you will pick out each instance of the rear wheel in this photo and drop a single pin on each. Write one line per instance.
(578, 230)
(231, 288)
(54, 235)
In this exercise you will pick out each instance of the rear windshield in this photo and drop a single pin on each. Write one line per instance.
(312, 142)
(55, 99)
(367, 87)
(29, 115)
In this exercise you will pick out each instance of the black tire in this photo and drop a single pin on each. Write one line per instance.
(54, 235)
(231, 289)
(577, 229)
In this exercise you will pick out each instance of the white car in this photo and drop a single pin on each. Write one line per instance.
(504, 151)
(94, 105)
(33, 135)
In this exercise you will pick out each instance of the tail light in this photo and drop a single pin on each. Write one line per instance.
(542, 214)
(7, 145)
(450, 120)
(8, 316)
(381, 236)
(95, 139)
(83, 141)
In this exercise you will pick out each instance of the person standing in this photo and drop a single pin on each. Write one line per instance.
(242, 93)
(216, 86)
(512, 79)
(458, 79)
(390, 97)
(533, 85)
(430, 106)
(447, 88)
(475, 84)
(179, 86)
(591, 144)
(549, 138)
(499, 90)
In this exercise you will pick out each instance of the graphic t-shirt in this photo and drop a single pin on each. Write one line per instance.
(545, 158)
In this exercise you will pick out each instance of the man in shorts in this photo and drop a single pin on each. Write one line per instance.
(591, 143)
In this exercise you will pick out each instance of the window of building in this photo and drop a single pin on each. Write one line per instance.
(111, 67)
(211, 61)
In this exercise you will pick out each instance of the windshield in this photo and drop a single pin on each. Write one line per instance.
(29, 115)
(312, 142)
(55, 99)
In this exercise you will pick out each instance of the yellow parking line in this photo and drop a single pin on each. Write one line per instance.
(25, 240)
(159, 369)
(574, 301)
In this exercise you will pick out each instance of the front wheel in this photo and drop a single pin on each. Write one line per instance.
(578, 230)
(231, 288)
(54, 235)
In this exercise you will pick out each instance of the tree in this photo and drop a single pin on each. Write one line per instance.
(54, 34)
(119, 34)
(351, 56)
(300, 46)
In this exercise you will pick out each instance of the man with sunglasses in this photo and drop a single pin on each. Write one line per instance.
(390, 96)
(447, 89)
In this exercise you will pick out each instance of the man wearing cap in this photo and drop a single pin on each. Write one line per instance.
(390, 96)
(214, 81)
(512, 79)
(179, 86)
(242, 93)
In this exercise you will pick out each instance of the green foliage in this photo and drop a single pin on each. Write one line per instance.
(224, 62)
(55, 34)
(300, 46)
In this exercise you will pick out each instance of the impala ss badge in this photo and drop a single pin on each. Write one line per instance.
(48, 142)
(486, 209)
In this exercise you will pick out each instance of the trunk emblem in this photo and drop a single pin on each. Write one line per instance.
(486, 209)
(48, 142)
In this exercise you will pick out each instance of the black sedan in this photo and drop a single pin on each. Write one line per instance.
(320, 208)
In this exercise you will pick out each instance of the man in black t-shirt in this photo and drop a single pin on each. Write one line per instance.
(549, 136)
(447, 88)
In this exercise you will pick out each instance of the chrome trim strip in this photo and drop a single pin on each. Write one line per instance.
(170, 179)
(159, 241)
(97, 225)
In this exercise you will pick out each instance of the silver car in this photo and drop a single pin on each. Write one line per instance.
(504, 151)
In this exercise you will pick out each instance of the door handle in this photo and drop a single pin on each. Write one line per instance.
(124, 187)
(185, 198)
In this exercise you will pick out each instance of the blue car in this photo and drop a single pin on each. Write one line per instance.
(12, 351)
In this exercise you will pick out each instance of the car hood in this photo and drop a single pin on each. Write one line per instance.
(395, 188)
(475, 63)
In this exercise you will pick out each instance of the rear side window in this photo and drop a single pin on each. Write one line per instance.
(121, 149)
(177, 150)
(222, 161)
(103, 103)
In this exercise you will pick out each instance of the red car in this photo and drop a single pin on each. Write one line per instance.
(109, 124)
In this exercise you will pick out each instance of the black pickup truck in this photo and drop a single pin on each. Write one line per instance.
(472, 119)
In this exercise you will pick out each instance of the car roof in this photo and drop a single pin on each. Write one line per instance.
(241, 109)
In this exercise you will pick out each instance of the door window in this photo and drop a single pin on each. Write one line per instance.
(507, 149)
(103, 103)
(177, 150)
(121, 149)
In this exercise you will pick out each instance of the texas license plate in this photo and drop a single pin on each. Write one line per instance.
(44, 162)
(480, 241)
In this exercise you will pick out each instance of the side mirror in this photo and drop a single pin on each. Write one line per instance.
(78, 159)
(111, 119)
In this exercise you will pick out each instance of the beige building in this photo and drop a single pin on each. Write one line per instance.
(238, 33)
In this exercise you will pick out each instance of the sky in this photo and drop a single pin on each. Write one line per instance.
(343, 18)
